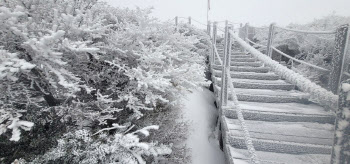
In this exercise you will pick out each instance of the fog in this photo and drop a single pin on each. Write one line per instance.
(256, 12)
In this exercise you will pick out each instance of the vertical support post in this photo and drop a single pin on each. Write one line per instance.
(208, 28)
(246, 31)
(214, 40)
(270, 39)
(189, 20)
(226, 66)
(176, 21)
(339, 56)
(341, 146)
(241, 34)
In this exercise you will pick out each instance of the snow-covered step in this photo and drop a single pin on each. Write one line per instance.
(296, 132)
(250, 75)
(244, 69)
(286, 112)
(240, 56)
(260, 84)
(250, 64)
(269, 96)
(283, 138)
(244, 60)
(242, 156)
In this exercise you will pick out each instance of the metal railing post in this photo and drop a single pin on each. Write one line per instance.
(214, 40)
(226, 66)
(338, 59)
(189, 20)
(270, 39)
(341, 151)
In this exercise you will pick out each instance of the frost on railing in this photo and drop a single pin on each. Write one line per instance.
(317, 93)
(341, 151)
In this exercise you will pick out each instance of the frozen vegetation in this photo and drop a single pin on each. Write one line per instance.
(84, 82)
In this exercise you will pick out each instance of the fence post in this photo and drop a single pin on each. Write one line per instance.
(189, 20)
(246, 31)
(208, 28)
(226, 66)
(341, 146)
(214, 40)
(176, 21)
(270, 39)
(338, 59)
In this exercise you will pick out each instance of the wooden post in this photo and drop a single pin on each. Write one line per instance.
(339, 56)
(246, 31)
(270, 39)
(189, 20)
(341, 144)
(214, 40)
(176, 21)
(226, 66)
(208, 28)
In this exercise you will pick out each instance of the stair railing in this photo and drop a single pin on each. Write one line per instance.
(340, 71)
(339, 62)
(227, 89)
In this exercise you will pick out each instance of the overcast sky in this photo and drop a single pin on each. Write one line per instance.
(256, 12)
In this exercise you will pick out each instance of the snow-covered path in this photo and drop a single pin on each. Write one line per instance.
(201, 113)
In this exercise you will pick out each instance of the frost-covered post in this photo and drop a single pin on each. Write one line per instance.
(339, 56)
(214, 39)
(208, 28)
(246, 31)
(341, 144)
(189, 20)
(270, 39)
(226, 66)
(176, 20)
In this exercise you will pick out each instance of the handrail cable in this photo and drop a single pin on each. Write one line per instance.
(306, 32)
(256, 43)
(248, 140)
(300, 61)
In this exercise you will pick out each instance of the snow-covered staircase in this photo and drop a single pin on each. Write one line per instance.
(284, 125)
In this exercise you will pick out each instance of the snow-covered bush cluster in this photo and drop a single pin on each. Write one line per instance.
(71, 68)
(313, 48)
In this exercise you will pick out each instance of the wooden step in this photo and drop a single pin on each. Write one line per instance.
(250, 75)
(269, 96)
(242, 156)
(259, 84)
(244, 69)
(283, 137)
(250, 64)
(287, 112)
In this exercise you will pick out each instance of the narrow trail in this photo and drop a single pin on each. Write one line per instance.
(202, 115)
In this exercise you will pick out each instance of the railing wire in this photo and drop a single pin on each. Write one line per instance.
(306, 32)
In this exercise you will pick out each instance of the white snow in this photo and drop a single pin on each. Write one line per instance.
(200, 111)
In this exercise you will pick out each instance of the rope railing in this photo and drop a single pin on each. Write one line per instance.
(247, 138)
(300, 61)
(319, 94)
(306, 32)
(256, 44)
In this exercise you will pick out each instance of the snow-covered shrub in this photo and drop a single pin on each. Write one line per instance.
(83, 147)
(84, 64)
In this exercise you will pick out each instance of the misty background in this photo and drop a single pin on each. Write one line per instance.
(256, 12)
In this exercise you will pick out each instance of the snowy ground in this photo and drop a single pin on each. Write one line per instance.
(201, 113)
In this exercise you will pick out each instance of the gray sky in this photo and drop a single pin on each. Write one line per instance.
(256, 12)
